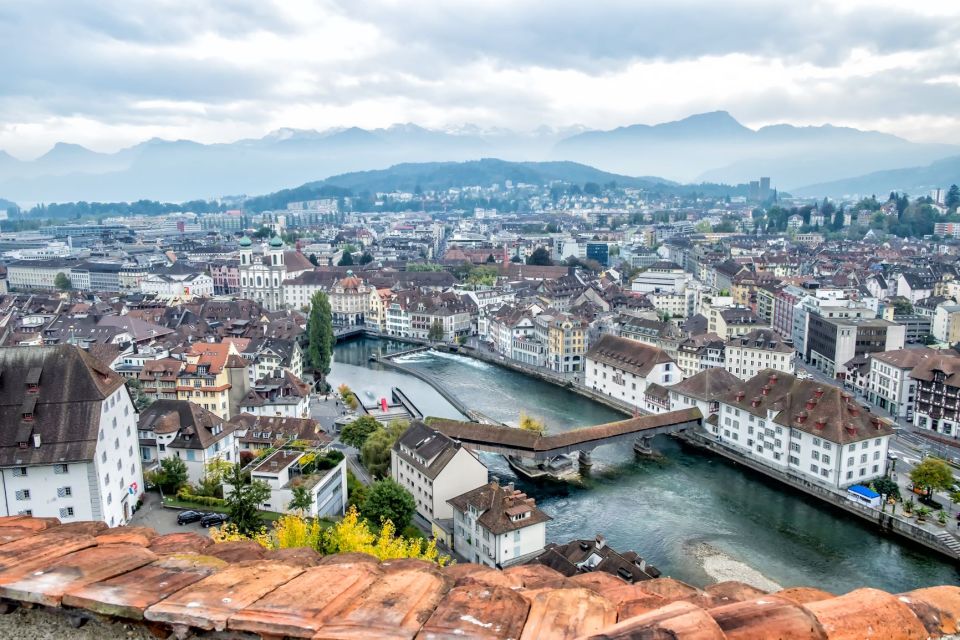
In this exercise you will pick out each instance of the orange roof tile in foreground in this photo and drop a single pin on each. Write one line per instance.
(180, 582)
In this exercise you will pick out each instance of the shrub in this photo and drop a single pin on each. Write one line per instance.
(207, 501)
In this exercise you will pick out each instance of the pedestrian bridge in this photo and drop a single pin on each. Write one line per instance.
(511, 441)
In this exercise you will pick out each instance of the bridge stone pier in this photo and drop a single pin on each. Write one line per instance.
(643, 446)
(585, 459)
(510, 441)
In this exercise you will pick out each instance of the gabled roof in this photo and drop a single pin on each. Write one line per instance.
(196, 427)
(627, 355)
(711, 384)
(64, 387)
(499, 506)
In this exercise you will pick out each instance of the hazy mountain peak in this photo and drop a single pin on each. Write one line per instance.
(66, 150)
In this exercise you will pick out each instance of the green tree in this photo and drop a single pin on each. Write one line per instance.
(952, 201)
(387, 500)
(516, 259)
(886, 487)
(302, 500)
(375, 453)
(436, 331)
(262, 233)
(490, 259)
(173, 474)
(346, 260)
(244, 500)
(320, 338)
(62, 282)
(540, 257)
(313, 259)
(366, 258)
(140, 399)
(356, 433)
(932, 473)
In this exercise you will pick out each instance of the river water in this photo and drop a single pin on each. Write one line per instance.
(673, 510)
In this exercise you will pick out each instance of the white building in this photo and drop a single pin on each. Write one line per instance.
(622, 368)
(747, 355)
(889, 385)
(281, 472)
(434, 469)
(803, 428)
(71, 449)
(262, 271)
(182, 429)
(497, 526)
(183, 286)
(661, 277)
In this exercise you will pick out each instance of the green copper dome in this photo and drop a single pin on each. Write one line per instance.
(275, 241)
(245, 241)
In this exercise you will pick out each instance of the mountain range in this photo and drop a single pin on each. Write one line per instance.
(711, 147)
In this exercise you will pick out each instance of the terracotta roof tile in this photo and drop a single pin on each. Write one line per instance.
(676, 620)
(301, 606)
(188, 542)
(477, 611)
(567, 613)
(209, 603)
(130, 594)
(162, 582)
(767, 617)
(236, 551)
(867, 613)
(47, 585)
(394, 607)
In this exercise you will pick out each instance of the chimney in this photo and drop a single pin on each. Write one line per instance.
(755, 402)
(765, 390)
(802, 417)
(876, 422)
(36, 441)
(601, 541)
(740, 395)
(773, 379)
(819, 392)
(821, 423)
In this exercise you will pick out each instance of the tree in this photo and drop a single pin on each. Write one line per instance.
(933, 474)
(262, 233)
(375, 453)
(491, 259)
(886, 487)
(366, 258)
(356, 433)
(320, 334)
(173, 474)
(516, 260)
(540, 257)
(244, 500)
(529, 423)
(313, 259)
(62, 282)
(346, 260)
(436, 331)
(140, 399)
(952, 201)
(387, 500)
(302, 500)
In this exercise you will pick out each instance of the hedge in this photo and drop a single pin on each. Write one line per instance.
(206, 501)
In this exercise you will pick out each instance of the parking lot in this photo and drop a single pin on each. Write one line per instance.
(153, 515)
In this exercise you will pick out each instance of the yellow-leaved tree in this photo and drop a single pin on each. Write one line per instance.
(351, 534)
(529, 423)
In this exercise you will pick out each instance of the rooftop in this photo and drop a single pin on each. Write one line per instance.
(133, 575)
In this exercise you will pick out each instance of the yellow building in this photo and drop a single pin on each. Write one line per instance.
(214, 376)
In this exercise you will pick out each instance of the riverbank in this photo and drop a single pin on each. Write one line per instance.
(722, 568)
(885, 522)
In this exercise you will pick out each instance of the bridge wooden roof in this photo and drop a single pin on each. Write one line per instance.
(530, 441)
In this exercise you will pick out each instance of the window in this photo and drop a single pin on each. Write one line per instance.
(59, 468)
(814, 468)
(815, 455)
(106, 480)
(19, 472)
(66, 512)
(64, 492)
(23, 494)
(863, 458)
(825, 459)
(109, 498)
(850, 462)
(849, 475)
(103, 457)
(795, 446)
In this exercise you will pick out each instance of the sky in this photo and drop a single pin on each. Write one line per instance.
(110, 73)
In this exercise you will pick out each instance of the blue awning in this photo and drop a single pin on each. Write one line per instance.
(861, 490)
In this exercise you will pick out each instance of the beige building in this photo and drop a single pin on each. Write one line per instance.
(350, 301)
(747, 355)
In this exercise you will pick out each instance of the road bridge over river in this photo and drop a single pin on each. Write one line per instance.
(510, 441)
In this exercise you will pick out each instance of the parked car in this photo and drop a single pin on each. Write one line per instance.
(186, 517)
(213, 520)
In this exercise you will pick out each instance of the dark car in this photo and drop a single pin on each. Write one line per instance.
(186, 517)
(213, 519)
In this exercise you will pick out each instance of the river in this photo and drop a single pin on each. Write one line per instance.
(695, 516)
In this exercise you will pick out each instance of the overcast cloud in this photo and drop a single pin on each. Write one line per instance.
(108, 74)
